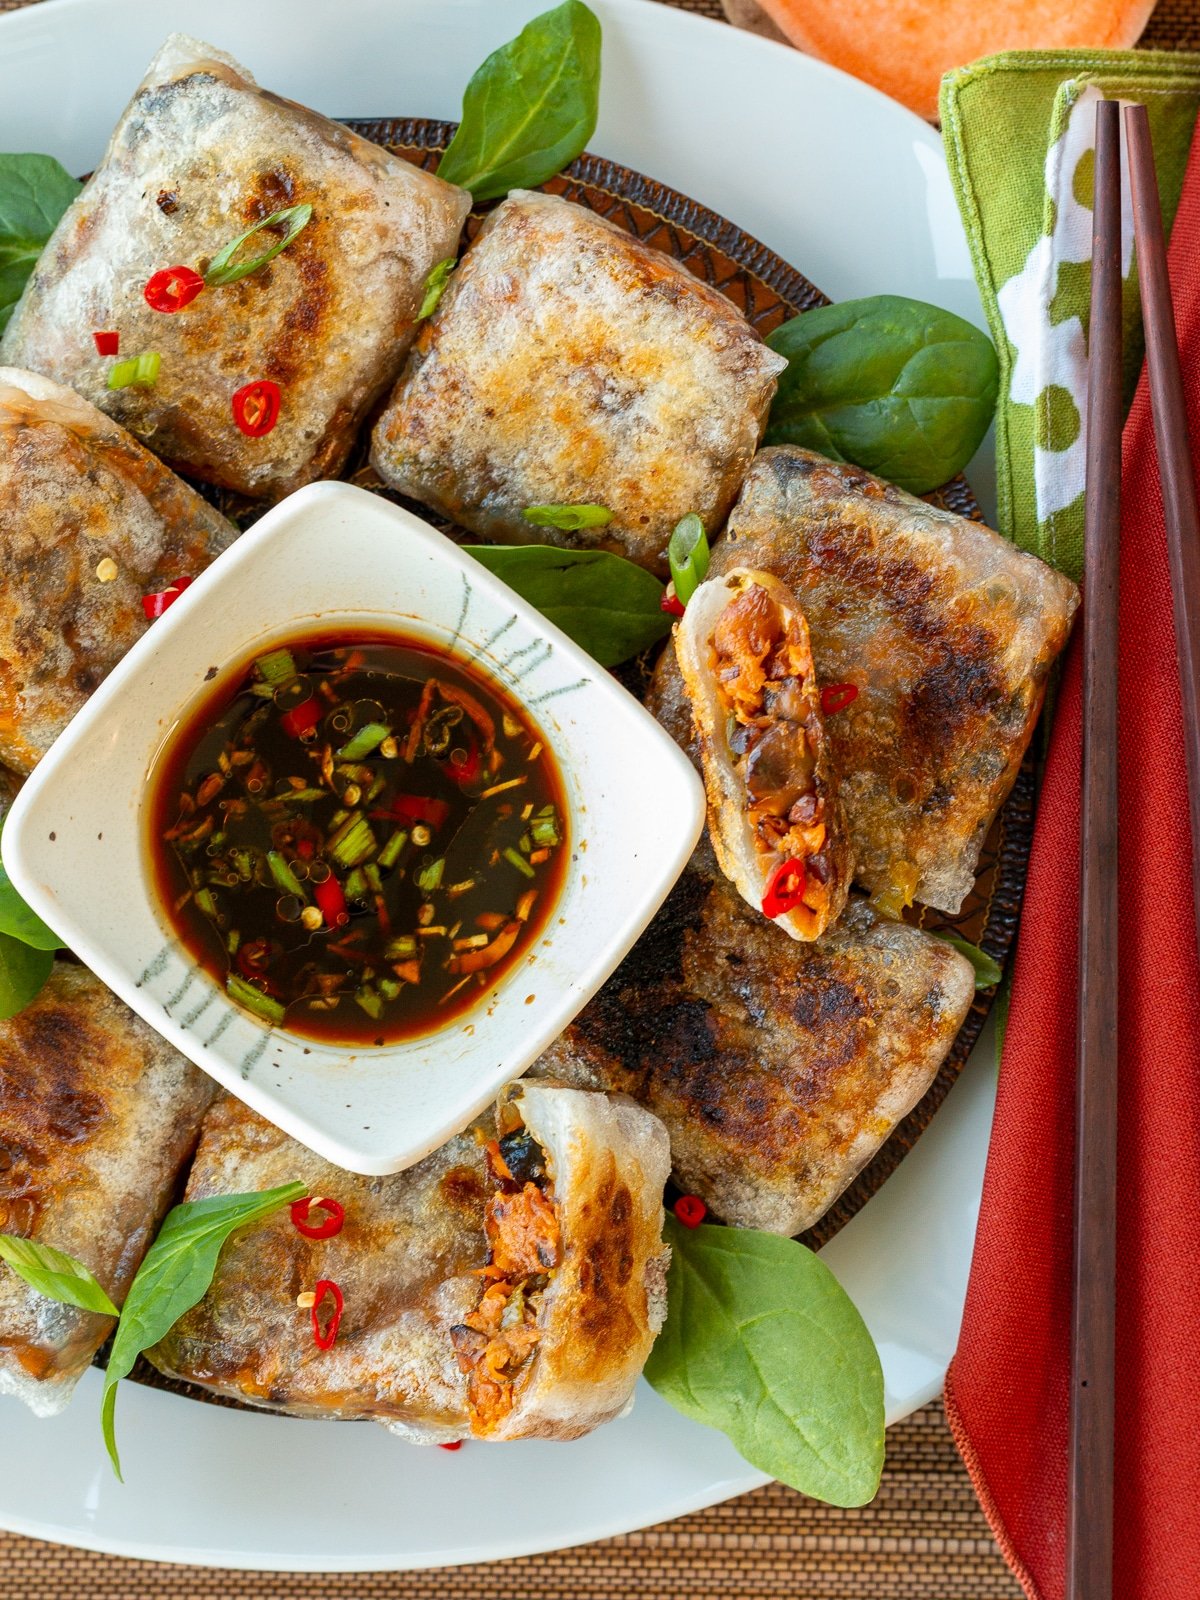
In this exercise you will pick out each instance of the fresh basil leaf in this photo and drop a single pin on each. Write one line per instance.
(987, 971)
(763, 1343)
(17, 919)
(610, 607)
(435, 286)
(893, 385)
(23, 971)
(34, 193)
(568, 519)
(531, 107)
(55, 1274)
(175, 1276)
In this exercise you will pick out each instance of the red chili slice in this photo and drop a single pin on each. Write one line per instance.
(256, 407)
(303, 718)
(326, 1340)
(467, 770)
(785, 888)
(416, 808)
(173, 288)
(455, 1444)
(331, 899)
(107, 344)
(155, 604)
(837, 696)
(335, 1217)
(690, 1210)
(670, 602)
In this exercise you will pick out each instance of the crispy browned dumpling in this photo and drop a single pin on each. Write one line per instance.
(568, 364)
(778, 1067)
(90, 523)
(546, 1342)
(98, 1115)
(947, 632)
(200, 155)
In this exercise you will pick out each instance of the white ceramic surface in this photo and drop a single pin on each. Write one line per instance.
(854, 191)
(329, 557)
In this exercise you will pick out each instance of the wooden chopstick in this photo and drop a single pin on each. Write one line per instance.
(1090, 1461)
(1174, 451)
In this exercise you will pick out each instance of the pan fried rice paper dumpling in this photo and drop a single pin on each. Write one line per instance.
(948, 634)
(98, 1115)
(91, 523)
(200, 155)
(567, 364)
(508, 1286)
(779, 1067)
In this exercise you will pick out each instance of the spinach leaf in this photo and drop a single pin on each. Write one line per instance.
(18, 920)
(34, 193)
(175, 1276)
(610, 607)
(763, 1343)
(23, 971)
(893, 385)
(987, 970)
(55, 1274)
(531, 107)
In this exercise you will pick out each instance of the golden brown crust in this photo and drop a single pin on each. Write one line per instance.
(97, 1117)
(567, 364)
(201, 154)
(949, 634)
(778, 1067)
(77, 490)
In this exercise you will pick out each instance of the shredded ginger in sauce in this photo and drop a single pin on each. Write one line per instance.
(360, 838)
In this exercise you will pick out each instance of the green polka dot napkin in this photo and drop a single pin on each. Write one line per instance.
(1020, 139)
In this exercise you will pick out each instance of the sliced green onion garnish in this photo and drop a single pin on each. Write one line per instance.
(544, 831)
(231, 944)
(276, 667)
(390, 853)
(370, 1002)
(368, 738)
(139, 372)
(355, 845)
(303, 796)
(402, 948)
(568, 518)
(284, 876)
(435, 287)
(206, 903)
(517, 860)
(224, 269)
(253, 999)
(371, 873)
(430, 877)
(687, 554)
(389, 988)
(355, 887)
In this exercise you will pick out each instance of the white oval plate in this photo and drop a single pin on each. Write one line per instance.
(853, 190)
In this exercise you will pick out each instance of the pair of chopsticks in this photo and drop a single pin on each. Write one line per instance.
(1090, 1463)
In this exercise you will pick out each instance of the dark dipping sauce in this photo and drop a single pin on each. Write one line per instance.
(359, 838)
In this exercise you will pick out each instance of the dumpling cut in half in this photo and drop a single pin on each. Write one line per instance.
(508, 1286)
(200, 156)
(90, 524)
(97, 1117)
(569, 364)
(774, 815)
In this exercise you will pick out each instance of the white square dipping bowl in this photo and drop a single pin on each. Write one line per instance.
(76, 846)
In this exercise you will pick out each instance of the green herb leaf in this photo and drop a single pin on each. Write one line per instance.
(55, 1274)
(435, 286)
(224, 269)
(175, 1276)
(893, 385)
(687, 556)
(610, 607)
(763, 1343)
(987, 971)
(23, 971)
(34, 193)
(18, 920)
(531, 107)
(569, 519)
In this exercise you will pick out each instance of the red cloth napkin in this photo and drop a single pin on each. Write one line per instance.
(1006, 1393)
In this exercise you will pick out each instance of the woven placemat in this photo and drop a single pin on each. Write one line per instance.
(923, 1538)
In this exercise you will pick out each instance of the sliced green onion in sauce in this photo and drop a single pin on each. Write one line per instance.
(276, 667)
(253, 999)
(514, 858)
(568, 519)
(355, 845)
(435, 287)
(430, 877)
(224, 269)
(368, 738)
(284, 876)
(139, 372)
(688, 554)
